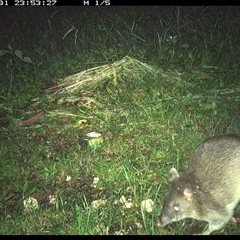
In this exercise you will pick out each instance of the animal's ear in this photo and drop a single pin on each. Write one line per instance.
(173, 174)
(187, 192)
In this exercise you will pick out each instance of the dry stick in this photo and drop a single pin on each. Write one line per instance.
(32, 119)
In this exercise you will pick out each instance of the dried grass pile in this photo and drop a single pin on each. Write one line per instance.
(126, 68)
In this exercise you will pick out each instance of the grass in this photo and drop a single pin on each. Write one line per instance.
(150, 121)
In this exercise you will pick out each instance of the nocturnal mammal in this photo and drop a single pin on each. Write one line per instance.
(209, 190)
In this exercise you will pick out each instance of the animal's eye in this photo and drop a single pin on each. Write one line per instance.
(176, 208)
